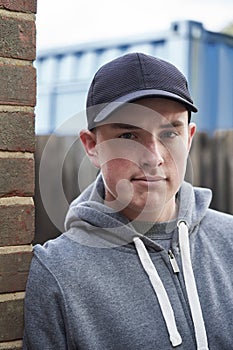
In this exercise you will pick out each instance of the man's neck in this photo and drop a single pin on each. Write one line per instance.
(167, 213)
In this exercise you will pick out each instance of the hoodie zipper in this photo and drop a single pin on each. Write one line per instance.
(173, 262)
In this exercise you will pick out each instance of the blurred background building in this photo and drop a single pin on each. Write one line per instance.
(205, 58)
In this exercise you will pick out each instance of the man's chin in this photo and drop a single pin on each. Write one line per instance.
(151, 209)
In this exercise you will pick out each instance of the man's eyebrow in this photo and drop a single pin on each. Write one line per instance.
(174, 124)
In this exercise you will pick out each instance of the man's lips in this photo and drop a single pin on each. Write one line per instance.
(149, 179)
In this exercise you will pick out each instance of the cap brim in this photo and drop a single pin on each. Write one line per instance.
(112, 106)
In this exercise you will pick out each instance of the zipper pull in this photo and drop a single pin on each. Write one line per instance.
(173, 262)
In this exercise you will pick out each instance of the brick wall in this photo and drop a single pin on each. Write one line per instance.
(17, 142)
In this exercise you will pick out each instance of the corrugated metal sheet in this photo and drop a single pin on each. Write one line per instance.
(206, 58)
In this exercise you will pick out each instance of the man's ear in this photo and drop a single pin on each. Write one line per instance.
(88, 139)
(192, 131)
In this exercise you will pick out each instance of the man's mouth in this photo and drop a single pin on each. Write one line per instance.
(149, 179)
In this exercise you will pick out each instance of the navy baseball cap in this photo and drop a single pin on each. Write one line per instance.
(131, 77)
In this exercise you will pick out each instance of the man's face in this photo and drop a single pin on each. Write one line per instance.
(142, 152)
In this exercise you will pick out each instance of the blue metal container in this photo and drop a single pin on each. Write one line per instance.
(206, 59)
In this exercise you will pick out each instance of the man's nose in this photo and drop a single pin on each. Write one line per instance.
(151, 156)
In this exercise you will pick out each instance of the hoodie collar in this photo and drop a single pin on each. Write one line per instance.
(89, 210)
(193, 203)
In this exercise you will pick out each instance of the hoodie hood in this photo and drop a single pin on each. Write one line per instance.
(89, 211)
(193, 203)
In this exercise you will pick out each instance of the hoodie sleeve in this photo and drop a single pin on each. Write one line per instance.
(44, 311)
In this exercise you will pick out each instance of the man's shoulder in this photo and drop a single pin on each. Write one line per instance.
(57, 252)
(218, 221)
(51, 244)
(219, 216)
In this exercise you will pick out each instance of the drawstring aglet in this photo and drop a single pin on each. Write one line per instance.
(173, 262)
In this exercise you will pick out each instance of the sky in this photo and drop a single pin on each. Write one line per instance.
(61, 23)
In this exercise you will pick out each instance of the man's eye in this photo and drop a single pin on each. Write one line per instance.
(127, 135)
(169, 135)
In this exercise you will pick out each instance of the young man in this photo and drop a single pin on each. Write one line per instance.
(144, 263)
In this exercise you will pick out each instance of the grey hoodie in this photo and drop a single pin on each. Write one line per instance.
(103, 286)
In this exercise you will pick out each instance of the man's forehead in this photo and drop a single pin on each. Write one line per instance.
(140, 116)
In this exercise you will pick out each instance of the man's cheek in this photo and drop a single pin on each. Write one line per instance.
(114, 149)
(178, 165)
(118, 167)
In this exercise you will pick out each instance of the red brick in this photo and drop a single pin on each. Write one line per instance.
(16, 221)
(11, 316)
(16, 175)
(14, 267)
(19, 5)
(17, 38)
(18, 85)
(12, 345)
(17, 131)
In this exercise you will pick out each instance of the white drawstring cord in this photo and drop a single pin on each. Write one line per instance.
(194, 302)
(160, 292)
